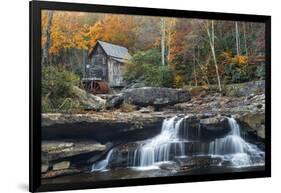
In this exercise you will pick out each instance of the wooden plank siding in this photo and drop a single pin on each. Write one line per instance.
(104, 66)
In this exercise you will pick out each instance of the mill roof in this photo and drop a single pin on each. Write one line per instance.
(116, 51)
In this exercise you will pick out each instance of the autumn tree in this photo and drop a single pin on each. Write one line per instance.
(163, 39)
(115, 29)
(237, 38)
(211, 36)
(198, 52)
(45, 52)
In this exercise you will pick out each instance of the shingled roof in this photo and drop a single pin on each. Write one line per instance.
(119, 53)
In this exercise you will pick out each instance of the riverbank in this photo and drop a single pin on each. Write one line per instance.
(128, 173)
(72, 143)
(248, 110)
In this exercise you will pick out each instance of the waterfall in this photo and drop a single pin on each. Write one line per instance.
(162, 148)
(101, 165)
(174, 140)
(235, 149)
(179, 140)
(235, 128)
(230, 144)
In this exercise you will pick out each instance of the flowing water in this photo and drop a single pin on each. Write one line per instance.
(159, 148)
(102, 164)
(178, 140)
(235, 149)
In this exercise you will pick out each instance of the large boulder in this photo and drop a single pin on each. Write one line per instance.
(198, 128)
(155, 96)
(245, 89)
(89, 101)
(114, 101)
(214, 127)
(253, 123)
(214, 123)
(60, 157)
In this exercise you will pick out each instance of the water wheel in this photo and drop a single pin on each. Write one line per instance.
(97, 87)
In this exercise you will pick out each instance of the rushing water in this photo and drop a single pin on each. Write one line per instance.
(159, 149)
(235, 149)
(102, 164)
(177, 141)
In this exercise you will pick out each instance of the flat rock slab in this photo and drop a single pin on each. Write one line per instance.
(61, 165)
(52, 174)
(60, 149)
(49, 119)
(102, 126)
(155, 96)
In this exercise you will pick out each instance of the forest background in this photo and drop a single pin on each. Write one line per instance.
(167, 52)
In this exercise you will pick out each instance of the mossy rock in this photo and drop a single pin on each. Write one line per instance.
(244, 89)
(254, 122)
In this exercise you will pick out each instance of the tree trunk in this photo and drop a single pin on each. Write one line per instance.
(212, 45)
(245, 39)
(84, 53)
(169, 46)
(170, 25)
(194, 66)
(237, 38)
(163, 40)
(45, 52)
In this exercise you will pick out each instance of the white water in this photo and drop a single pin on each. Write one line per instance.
(175, 140)
(235, 149)
(158, 149)
(101, 165)
(230, 144)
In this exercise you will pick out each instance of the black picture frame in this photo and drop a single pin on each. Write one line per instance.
(35, 94)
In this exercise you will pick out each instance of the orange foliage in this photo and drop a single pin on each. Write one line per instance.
(117, 29)
(69, 30)
(228, 58)
(240, 60)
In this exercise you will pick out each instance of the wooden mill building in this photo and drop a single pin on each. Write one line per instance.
(106, 63)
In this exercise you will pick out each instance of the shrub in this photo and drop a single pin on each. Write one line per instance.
(147, 64)
(235, 68)
(235, 73)
(178, 81)
(157, 76)
(260, 72)
(57, 89)
(46, 105)
(127, 108)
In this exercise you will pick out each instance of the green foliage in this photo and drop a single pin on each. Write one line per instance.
(183, 74)
(235, 68)
(147, 66)
(46, 105)
(187, 47)
(72, 58)
(157, 75)
(260, 72)
(57, 89)
(235, 74)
